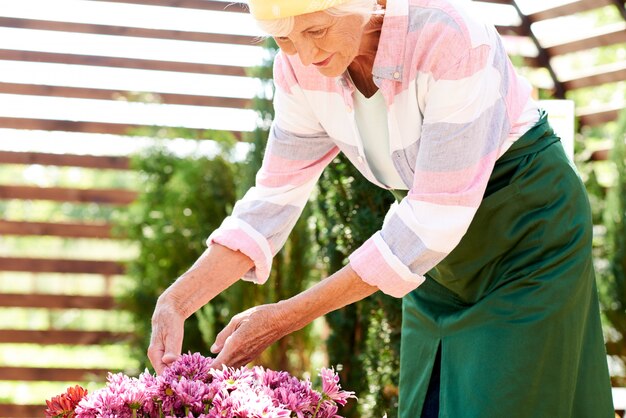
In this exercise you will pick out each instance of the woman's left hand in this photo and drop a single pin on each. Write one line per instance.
(249, 333)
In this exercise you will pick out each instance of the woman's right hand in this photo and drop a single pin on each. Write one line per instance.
(167, 335)
(216, 269)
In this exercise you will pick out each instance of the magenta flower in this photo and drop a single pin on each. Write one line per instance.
(332, 389)
(191, 394)
(231, 378)
(192, 366)
(189, 388)
(101, 403)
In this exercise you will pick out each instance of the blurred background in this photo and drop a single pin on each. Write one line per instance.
(128, 128)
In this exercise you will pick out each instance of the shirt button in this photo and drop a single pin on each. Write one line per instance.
(396, 75)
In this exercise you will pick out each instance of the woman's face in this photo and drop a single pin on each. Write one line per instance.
(328, 42)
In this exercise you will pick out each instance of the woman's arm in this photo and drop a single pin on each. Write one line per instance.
(216, 269)
(252, 331)
(298, 149)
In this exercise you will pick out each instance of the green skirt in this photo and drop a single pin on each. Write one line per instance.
(514, 307)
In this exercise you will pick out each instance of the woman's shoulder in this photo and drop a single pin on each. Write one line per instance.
(450, 18)
(440, 33)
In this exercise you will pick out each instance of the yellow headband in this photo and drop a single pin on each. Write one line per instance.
(276, 9)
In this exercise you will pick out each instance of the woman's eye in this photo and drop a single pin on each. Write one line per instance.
(281, 38)
(317, 33)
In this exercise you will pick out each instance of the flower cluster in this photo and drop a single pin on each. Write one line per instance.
(190, 388)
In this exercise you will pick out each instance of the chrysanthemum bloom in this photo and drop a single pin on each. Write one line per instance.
(231, 378)
(191, 394)
(62, 406)
(192, 366)
(149, 382)
(295, 394)
(332, 389)
(102, 403)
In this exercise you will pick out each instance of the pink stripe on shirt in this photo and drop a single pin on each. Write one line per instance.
(459, 188)
(278, 172)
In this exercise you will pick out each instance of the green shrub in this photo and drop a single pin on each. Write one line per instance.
(182, 200)
(612, 256)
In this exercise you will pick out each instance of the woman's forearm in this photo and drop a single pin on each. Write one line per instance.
(341, 289)
(250, 332)
(214, 271)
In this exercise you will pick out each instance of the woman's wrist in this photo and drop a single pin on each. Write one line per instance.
(341, 289)
(174, 301)
(214, 271)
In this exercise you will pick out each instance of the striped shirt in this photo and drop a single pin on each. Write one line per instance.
(454, 105)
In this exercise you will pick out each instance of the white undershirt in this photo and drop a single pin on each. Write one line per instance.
(371, 120)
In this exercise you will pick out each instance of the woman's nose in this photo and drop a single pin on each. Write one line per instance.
(306, 51)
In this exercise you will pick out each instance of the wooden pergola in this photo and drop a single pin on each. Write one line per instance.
(612, 35)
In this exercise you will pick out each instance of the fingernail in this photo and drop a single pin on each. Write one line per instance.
(214, 348)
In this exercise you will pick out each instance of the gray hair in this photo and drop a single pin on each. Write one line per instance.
(284, 26)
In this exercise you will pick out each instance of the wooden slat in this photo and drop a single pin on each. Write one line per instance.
(103, 94)
(91, 127)
(62, 194)
(596, 76)
(66, 126)
(599, 116)
(21, 411)
(32, 300)
(608, 35)
(60, 229)
(117, 62)
(219, 6)
(510, 30)
(65, 160)
(10, 22)
(600, 155)
(67, 337)
(36, 374)
(45, 265)
(568, 9)
(18, 23)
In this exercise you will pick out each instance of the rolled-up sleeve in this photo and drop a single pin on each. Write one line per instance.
(297, 151)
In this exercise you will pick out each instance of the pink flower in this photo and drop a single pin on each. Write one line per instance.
(102, 403)
(192, 366)
(332, 389)
(190, 393)
(327, 410)
(191, 389)
(231, 378)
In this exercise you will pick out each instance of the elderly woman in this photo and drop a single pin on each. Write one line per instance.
(489, 244)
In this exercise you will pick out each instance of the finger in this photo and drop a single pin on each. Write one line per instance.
(173, 344)
(155, 357)
(224, 334)
(155, 352)
(236, 352)
(224, 358)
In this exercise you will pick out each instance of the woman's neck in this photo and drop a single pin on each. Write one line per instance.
(360, 68)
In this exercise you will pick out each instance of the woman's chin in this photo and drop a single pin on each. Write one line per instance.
(330, 71)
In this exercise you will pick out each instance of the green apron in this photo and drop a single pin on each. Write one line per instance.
(514, 306)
